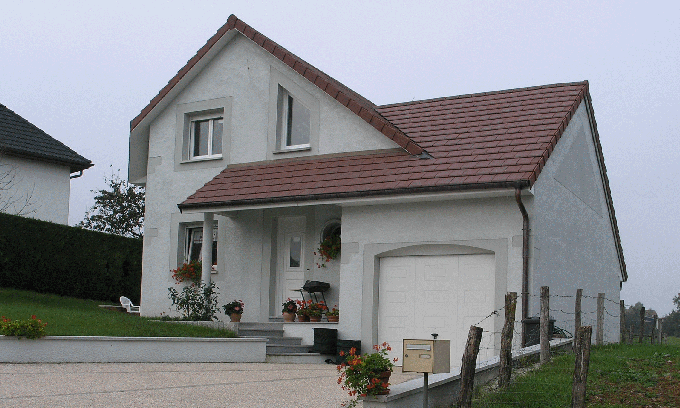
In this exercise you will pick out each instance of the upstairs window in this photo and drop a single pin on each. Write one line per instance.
(292, 123)
(205, 140)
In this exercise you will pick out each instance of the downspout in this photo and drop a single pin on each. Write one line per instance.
(75, 176)
(525, 261)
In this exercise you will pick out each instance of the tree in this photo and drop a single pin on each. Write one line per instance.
(118, 209)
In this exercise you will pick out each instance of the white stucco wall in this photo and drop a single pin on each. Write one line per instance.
(239, 80)
(572, 240)
(43, 188)
(429, 228)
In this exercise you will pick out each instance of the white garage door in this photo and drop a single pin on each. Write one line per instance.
(420, 295)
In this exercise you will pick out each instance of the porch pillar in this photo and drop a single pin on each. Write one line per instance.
(206, 249)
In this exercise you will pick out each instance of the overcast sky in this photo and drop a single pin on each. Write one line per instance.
(82, 70)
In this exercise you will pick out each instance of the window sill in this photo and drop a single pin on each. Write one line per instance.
(202, 158)
(300, 148)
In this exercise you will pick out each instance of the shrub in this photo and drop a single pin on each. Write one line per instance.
(197, 302)
(32, 328)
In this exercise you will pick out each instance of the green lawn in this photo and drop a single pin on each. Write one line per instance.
(619, 376)
(76, 317)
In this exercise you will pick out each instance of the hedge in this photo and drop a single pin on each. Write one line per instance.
(52, 258)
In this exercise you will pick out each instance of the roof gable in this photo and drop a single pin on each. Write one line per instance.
(496, 139)
(359, 105)
(20, 137)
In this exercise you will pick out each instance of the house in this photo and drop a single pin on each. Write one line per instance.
(443, 205)
(35, 170)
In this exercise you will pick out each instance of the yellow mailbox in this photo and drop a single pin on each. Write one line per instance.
(426, 356)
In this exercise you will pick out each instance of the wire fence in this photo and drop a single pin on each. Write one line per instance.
(607, 325)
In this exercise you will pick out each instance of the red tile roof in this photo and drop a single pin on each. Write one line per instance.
(495, 139)
(361, 106)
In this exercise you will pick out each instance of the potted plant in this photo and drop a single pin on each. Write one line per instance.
(234, 310)
(315, 310)
(328, 250)
(333, 315)
(289, 309)
(303, 311)
(368, 374)
(188, 272)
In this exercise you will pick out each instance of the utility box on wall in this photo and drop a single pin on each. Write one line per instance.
(426, 356)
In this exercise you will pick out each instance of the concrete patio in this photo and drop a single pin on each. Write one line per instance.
(173, 385)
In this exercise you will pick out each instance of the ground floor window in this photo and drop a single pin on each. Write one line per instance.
(194, 245)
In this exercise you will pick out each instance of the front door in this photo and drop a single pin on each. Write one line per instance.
(290, 266)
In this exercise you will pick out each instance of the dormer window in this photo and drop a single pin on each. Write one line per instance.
(205, 140)
(293, 124)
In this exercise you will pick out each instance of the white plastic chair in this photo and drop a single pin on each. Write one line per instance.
(127, 304)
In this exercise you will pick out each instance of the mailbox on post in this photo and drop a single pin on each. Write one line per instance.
(427, 356)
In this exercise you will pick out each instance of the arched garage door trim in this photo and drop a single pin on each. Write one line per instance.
(371, 277)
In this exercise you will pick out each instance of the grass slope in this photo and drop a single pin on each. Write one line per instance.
(76, 317)
(619, 376)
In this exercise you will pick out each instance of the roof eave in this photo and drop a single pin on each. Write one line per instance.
(354, 195)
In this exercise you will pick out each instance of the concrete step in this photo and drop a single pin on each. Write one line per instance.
(297, 358)
(259, 333)
(261, 326)
(280, 341)
(278, 349)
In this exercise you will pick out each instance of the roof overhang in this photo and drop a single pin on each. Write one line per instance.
(368, 198)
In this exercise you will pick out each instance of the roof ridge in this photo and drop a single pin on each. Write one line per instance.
(356, 103)
(510, 90)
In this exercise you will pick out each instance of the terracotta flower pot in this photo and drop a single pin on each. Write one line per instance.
(384, 379)
(333, 319)
(303, 318)
(315, 319)
(289, 317)
(235, 317)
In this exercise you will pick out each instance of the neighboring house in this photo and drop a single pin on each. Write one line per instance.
(35, 170)
(268, 155)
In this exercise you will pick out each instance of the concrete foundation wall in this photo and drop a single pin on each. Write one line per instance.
(100, 349)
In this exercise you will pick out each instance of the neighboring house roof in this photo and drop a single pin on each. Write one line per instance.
(361, 106)
(19, 137)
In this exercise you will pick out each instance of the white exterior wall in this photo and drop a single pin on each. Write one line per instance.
(239, 78)
(572, 239)
(429, 228)
(44, 186)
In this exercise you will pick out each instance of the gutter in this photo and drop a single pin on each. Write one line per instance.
(525, 261)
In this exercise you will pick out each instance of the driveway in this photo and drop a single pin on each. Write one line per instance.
(173, 385)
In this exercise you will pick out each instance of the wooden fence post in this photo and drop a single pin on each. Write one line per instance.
(630, 334)
(467, 369)
(545, 324)
(653, 333)
(599, 337)
(661, 331)
(506, 339)
(578, 390)
(577, 315)
(622, 321)
(642, 323)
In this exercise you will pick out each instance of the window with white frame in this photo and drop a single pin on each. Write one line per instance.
(205, 137)
(194, 245)
(293, 123)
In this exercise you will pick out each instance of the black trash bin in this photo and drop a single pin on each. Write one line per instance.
(532, 328)
(344, 347)
(325, 341)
